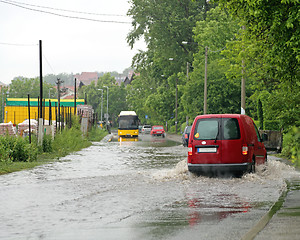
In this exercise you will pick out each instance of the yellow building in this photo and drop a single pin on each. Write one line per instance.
(16, 109)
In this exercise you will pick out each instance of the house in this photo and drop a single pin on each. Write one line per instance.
(86, 78)
(130, 77)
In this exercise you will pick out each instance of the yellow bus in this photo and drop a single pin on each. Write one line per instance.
(128, 124)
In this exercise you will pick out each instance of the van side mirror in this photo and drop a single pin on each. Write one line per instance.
(264, 137)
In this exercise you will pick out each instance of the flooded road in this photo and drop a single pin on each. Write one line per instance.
(134, 190)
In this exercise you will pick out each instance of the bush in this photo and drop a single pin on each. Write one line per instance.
(17, 149)
(69, 140)
(291, 145)
(272, 125)
(47, 143)
(4, 152)
(96, 134)
(172, 129)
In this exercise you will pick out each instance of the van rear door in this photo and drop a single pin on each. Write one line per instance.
(206, 141)
(231, 141)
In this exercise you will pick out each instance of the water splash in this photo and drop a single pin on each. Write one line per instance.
(180, 171)
(272, 170)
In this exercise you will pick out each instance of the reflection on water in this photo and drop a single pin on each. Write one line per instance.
(124, 139)
(221, 206)
(131, 190)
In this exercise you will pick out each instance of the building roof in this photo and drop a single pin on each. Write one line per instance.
(86, 77)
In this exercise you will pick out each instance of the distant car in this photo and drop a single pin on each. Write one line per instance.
(186, 135)
(146, 129)
(158, 130)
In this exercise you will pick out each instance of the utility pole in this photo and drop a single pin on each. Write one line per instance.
(75, 98)
(176, 107)
(243, 85)
(41, 79)
(29, 125)
(205, 76)
(243, 90)
(106, 107)
(187, 71)
(205, 83)
(187, 79)
(40, 122)
(101, 103)
(58, 82)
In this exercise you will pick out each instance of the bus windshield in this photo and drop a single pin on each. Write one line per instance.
(128, 122)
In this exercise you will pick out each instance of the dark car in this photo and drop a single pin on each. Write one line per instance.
(186, 135)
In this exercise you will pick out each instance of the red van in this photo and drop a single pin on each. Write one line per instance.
(225, 143)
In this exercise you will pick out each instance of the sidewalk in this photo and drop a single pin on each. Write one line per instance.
(285, 223)
(282, 222)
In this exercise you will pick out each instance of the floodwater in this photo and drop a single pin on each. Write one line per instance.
(134, 190)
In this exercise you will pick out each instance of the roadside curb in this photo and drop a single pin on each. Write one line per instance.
(260, 225)
(281, 205)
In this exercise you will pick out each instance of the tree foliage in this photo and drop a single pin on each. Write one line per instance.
(275, 25)
(223, 93)
(271, 46)
(20, 88)
(116, 96)
(256, 40)
(164, 25)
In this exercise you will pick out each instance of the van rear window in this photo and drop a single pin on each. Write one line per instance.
(231, 128)
(207, 129)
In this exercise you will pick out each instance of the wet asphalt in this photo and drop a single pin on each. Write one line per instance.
(282, 221)
(142, 190)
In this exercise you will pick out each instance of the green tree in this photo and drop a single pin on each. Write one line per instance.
(117, 102)
(275, 26)
(20, 88)
(223, 93)
(116, 96)
(270, 48)
(164, 25)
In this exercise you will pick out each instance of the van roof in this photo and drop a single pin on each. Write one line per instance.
(222, 116)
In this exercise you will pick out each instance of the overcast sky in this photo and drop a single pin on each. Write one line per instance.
(70, 45)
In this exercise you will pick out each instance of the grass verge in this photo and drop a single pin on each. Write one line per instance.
(66, 142)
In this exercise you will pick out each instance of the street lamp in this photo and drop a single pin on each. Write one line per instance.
(106, 108)
(176, 99)
(100, 89)
(205, 75)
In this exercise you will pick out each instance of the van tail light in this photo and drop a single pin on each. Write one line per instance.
(185, 136)
(190, 150)
(245, 150)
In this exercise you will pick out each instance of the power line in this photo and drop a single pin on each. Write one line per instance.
(62, 15)
(218, 50)
(66, 10)
(18, 44)
(49, 64)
